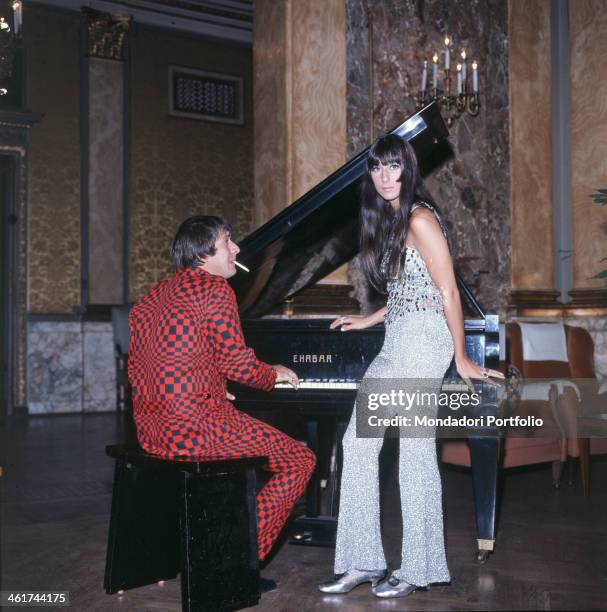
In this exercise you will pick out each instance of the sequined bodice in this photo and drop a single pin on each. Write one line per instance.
(413, 290)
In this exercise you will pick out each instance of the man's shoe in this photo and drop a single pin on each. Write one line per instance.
(266, 585)
(352, 578)
(393, 587)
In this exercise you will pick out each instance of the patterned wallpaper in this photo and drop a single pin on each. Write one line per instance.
(181, 167)
(473, 187)
(53, 53)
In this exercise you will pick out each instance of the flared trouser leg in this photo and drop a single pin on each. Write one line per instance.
(358, 544)
(423, 547)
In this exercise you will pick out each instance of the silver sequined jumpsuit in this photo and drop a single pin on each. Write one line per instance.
(417, 344)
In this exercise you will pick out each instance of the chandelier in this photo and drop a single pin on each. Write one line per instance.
(465, 97)
(9, 39)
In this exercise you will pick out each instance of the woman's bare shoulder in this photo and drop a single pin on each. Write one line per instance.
(422, 220)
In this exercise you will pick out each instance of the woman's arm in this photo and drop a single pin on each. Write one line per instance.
(350, 323)
(427, 237)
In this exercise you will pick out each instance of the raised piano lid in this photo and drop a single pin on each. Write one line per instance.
(319, 231)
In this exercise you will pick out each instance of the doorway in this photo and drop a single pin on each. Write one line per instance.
(8, 221)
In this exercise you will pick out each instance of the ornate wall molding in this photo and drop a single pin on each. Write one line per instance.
(544, 303)
(227, 20)
(589, 298)
(106, 34)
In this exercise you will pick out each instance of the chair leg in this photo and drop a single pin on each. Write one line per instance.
(584, 446)
(557, 473)
(571, 470)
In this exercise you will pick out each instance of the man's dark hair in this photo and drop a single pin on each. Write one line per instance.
(195, 239)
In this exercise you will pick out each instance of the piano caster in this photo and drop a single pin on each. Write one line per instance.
(301, 537)
(485, 548)
(482, 556)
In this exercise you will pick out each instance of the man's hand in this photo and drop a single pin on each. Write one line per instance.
(283, 374)
(230, 397)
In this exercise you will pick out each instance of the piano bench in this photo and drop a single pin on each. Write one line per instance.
(193, 517)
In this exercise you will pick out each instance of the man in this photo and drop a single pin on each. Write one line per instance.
(186, 341)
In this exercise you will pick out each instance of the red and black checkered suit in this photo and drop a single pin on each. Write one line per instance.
(186, 341)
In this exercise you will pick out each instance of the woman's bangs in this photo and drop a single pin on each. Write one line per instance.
(383, 153)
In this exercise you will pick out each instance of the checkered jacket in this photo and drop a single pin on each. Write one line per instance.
(186, 340)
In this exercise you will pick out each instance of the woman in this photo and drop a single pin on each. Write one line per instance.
(405, 254)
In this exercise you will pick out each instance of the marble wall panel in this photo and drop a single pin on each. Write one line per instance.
(180, 167)
(54, 367)
(472, 187)
(531, 142)
(318, 92)
(270, 95)
(99, 368)
(71, 367)
(359, 111)
(317, 134)
(588, 23)
(300, 78)
(52, 43)
(105, 187)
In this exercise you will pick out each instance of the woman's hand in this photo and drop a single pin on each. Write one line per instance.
(350, 323)
(468, 370)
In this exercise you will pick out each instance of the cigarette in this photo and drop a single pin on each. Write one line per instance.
(241, 266)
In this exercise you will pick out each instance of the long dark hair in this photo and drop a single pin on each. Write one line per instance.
(382, 227)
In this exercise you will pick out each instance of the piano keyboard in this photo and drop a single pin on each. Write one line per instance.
(447, 386)
(321, 384)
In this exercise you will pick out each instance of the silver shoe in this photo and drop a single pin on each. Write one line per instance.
(352, 578)
(393, 587)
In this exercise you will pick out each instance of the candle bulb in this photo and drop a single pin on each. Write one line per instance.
(425, 76)
(459, 79)
(17, 17)
(464, 66)
(435, 70)
(475, 76)
(447, 54)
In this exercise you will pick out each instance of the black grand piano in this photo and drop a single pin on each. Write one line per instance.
(296, 248)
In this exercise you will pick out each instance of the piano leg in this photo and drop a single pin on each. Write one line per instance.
(340, 429)
(484, 455)
(313, 492)
(314, 528)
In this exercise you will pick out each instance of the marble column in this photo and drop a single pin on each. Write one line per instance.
(270, 38)
(588, 22)
(104, 250)
(531, 169)
(299, 64)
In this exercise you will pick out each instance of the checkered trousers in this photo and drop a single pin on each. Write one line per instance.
(291, 462)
